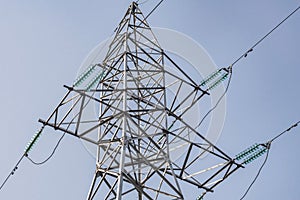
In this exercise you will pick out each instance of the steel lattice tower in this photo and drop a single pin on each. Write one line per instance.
(147, 146)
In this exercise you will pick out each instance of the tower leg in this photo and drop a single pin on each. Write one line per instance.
(89, 197)
(120, 178)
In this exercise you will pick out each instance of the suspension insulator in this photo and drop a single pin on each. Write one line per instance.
(84, 75)
(33, 140)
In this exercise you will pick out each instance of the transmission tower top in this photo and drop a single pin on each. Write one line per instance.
(147, 139)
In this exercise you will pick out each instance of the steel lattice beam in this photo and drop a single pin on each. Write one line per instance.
(139, 125)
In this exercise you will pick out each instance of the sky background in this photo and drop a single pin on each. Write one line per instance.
(43, 43)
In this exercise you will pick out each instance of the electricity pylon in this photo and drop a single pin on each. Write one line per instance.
(139, 116)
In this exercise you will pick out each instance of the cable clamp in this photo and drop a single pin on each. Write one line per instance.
(267, 145)
(246, 54)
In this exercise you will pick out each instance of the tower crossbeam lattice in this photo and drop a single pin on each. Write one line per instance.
(136, 113)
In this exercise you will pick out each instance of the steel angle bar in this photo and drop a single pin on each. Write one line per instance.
(177, 92)
(95, 99)
(158, 172)
(203, 138)
(113, 61)
(142, 21)
(109, 155)
(225, 176)
(155, 46)
(69, 99)
(160, 184)
(79, 116)
(92, 187)
(150, 139)
(101, 122)
(137, 186)
(63, 99)
(183, 72)
(132, 26)
(156, 81)
(69, 111)
(146, 70)
(111, 190)
(108, 129)
(161, 192)
(148, 103)
(149, 56)
(147, 88)
(197, 157)
(156, 43)
(146, 122)
(190, 107)
(57, 128)
(156, 64)
(121, 26)
(185, 99)
(193, 181)
(186, 159)
(218, 172)
(145, 75)
(198, 145)
(82, 122)
(215, 182)
(205, 170)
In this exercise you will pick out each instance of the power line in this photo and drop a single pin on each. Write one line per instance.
(157, 5)
(226, 90)
(12, 172)
(257, 175)
(285, 131)
(243, 56)
(268, 145)
(27, 150)
(265, 36)
(26, 155)
(33, 141)
(36, 163)
(50, 156)
(220, 98)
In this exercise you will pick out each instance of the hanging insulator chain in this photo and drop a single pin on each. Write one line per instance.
(215, 78)
(95, 80)
(252, 153)
(33, 140)
(86, 73)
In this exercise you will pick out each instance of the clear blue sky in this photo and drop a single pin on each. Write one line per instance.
(43, 43)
